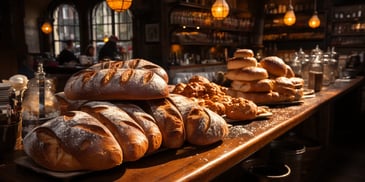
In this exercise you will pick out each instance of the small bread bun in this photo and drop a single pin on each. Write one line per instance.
(289, 72)
(247, 74)
(274, 65)
(262, 98)
(264, 85)
(240, 62)
(298, 82)
(243, 53)
(284, 85)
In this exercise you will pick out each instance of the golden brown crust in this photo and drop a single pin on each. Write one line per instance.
(203, 127)
(169, 121)
(247, 74)
(73, 142)
(289, 72)
(148, 124)
(241, 109)
(125, 129)
(240, 62)
(274, 65)
(243, 53)
(264, 85)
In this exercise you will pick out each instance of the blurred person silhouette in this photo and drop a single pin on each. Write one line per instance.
(90, 51)
(67, 54)
(110, 49)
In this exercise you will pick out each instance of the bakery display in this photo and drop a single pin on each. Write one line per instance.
(114, 112)
(271, 81)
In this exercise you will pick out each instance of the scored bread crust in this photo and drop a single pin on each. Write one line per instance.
(148, 124)
(132, 64)
(73, 142)
(116, 84)
(128, 133)
(203, 126)
(169, 121)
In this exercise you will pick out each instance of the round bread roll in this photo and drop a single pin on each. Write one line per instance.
(274, 65)
(243, 53)
(284, 85)
(72, 142)
(289, 72)
(263, 85)
(247, 74)
(298, 82)
(241, 62)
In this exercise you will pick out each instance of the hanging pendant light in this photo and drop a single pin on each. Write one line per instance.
(46, 27)
(314, 21)
(119, 5)
(289, 17)
(220, 9)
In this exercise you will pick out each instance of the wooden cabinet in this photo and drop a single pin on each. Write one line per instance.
(347, 30)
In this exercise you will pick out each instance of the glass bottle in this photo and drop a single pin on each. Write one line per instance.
(40, 103)
(327, 70)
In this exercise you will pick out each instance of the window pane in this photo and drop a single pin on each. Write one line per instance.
(66, 27)
(106, 22)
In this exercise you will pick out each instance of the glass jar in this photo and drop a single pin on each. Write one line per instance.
(315, 75)
(327, 70)
(40, 103)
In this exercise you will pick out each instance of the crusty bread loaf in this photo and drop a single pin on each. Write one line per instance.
(263, 85)
(240, 62)
(128, 133)
(132, 64)
(168, 120)
(75, 141)
(262, 98)
(289, 72)
(274, 65)
(116, 84)
(247, 74)
(202, 126)
(148, 124)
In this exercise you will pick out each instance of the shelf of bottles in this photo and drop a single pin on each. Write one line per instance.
(348, 26)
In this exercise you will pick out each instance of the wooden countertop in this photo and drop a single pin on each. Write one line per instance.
(204, 163)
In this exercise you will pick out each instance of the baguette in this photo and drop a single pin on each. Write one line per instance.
(168, 120)
(148, 124)
(128, 133)
(203, 126)
(73, 142)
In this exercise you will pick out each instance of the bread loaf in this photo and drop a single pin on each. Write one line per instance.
(132, 64)
(243, 53)
(116, 84)
(73, 142)
(274, 65)
(168, 120)
(67, 104)
(148, 124)
(202, 126)
(128, 133)
(241, 109)
(240, 62)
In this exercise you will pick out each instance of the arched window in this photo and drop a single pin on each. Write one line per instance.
(106, 22)
(66, 27)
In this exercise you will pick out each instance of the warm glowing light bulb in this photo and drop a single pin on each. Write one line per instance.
(314, 21)
(289, 17)
(220, 9)
(119, 5)
(106, 38)
(46, 28)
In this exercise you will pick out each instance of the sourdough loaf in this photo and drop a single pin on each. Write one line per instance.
(72, 142)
